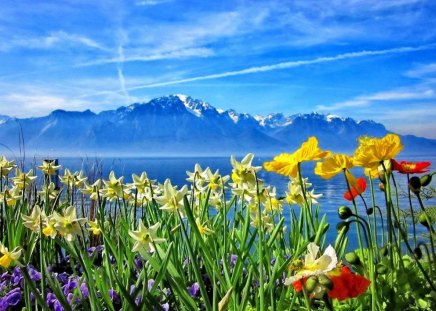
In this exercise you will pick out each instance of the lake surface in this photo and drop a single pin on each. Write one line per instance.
(175, 168)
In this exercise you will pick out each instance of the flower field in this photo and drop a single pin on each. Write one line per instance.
(220, 242)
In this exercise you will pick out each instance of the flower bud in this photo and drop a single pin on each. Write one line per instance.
(342, 225)
(325, 281)
(344, 212)
(369, 211)
(311, 283)
(418, 253)
(381, 269)
(426, 180)
(352, 258)
(381, 186)
(384, 250)
(422, 219)
(415, 184)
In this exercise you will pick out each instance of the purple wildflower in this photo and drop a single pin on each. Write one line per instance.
(138, 263)
(51, 298)
(34, 274)
(84, 290)
(3, 304)
(194, 290)
(150, 284)
(13, 297)
(17, 277)
(114, 296)
(165, 307)
(57, 306)
(63, 277)
(233, 259)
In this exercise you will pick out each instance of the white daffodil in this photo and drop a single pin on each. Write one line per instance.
(313, 265)
(68, 225)
(23, 180)
(92, 190)
(6, 166)
(145, 238)
(35, 220)
(243, 173)
(172, 199)
(141, 183)
(49, 167)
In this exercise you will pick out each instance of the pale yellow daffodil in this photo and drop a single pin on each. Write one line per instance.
(145, 238)
(68, 225)
(7, 257)
(6, 166)
(49, 167)
(172, 199)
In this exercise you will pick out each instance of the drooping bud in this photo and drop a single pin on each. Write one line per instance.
(426, 180)
(311, 283)
(352, 258)
(369, 211)
(418, 253)
(415, 184)
(325, 281)
(381, 269)
(384, 250)
(344, 212)
(381, 186)
(342, 225)
(423, 220)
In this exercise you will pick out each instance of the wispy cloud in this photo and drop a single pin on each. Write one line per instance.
(151, 2)
(58, 39)
(422, 71)
(387, 96)
(280, 66)
(176, 54)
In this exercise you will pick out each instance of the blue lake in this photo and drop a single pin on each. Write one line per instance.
(175, 168)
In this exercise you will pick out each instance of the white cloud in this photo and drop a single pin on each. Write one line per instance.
(411, 93)
(151, 2)
(422, 71)
(58, 39)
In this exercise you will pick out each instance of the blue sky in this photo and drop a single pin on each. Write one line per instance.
(366, 59)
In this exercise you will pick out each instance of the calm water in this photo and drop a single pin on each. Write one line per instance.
(175, 169)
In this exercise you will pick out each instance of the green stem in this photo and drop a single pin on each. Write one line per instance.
(359, 235)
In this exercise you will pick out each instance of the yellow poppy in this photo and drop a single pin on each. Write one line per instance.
(333, 165)
(287, 163)
(372, 151)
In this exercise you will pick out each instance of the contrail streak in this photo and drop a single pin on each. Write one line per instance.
(279, 66)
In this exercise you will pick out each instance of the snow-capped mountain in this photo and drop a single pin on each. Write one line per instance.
(181, 125)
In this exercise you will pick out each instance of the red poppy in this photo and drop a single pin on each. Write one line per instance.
(405, 167)
(347, 285)
(359, 188)
(298, 284)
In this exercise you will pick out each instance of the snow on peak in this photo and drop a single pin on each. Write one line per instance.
(274, 120)
(195, 106)
(331, 117)
(182, 97)
(233, 115)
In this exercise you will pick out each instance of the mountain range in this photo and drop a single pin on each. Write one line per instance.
(178, 125)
